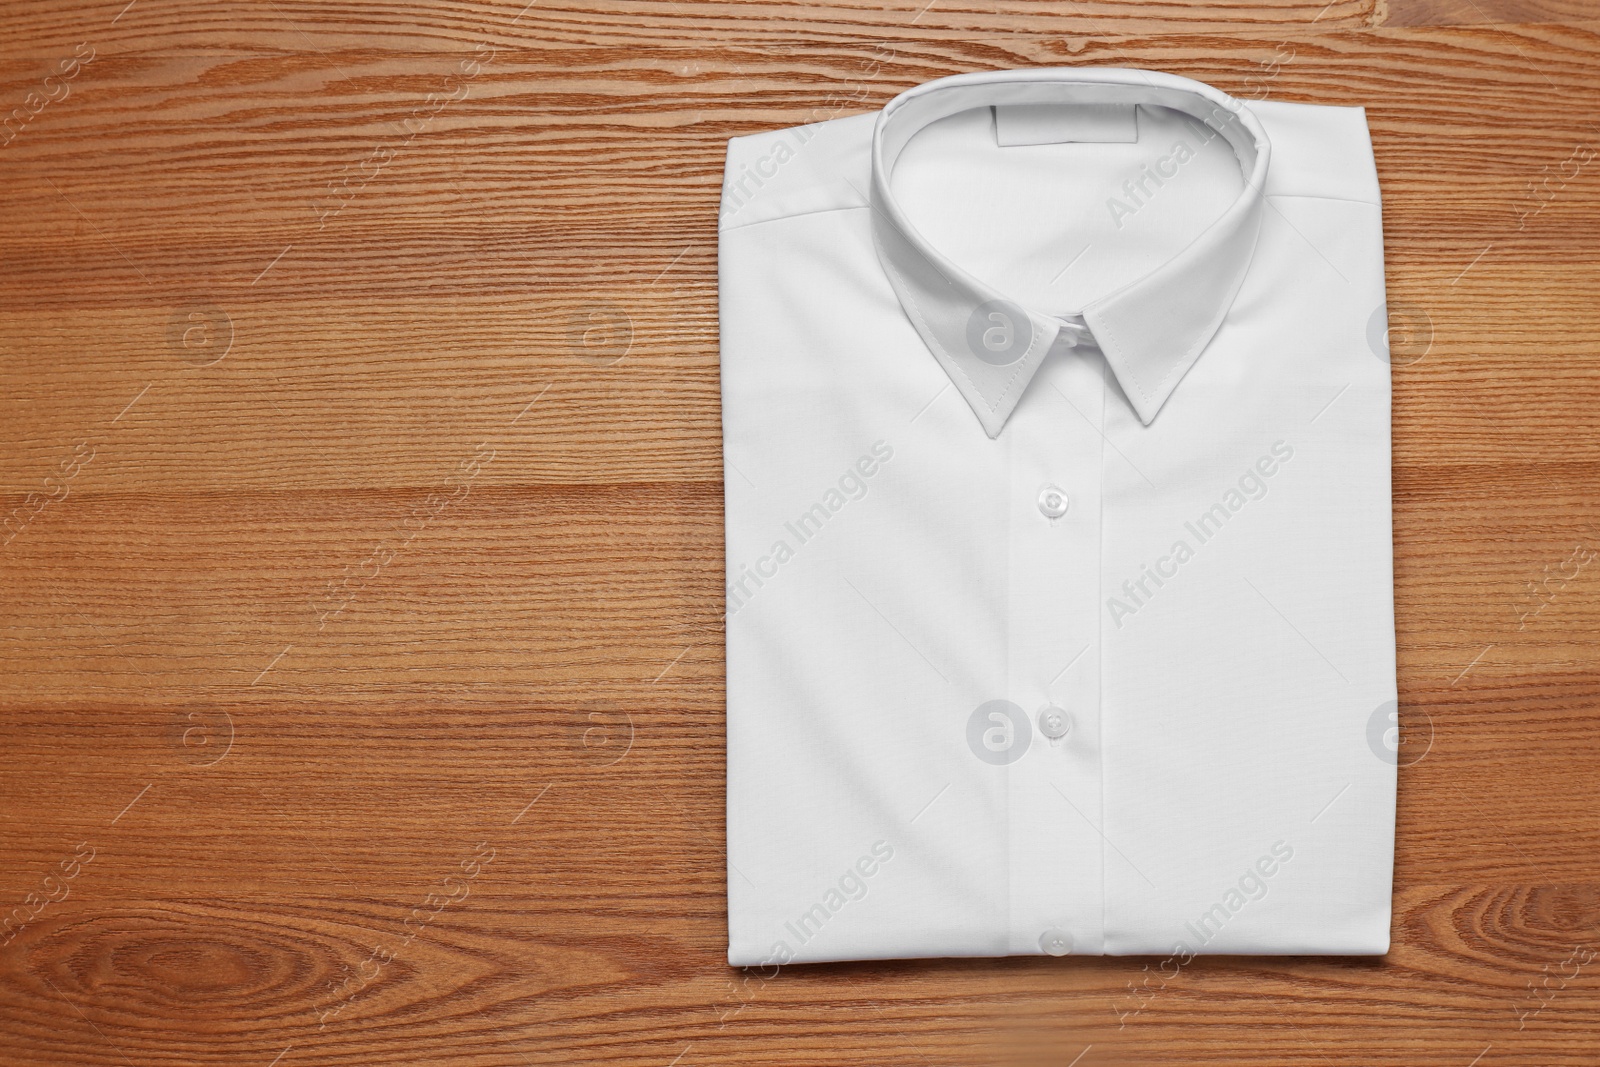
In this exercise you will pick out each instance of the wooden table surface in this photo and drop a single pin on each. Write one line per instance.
(361, 676)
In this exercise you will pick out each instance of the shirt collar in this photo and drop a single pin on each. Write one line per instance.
(1151, 330)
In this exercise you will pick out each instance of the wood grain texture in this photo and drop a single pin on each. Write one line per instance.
(360, 661)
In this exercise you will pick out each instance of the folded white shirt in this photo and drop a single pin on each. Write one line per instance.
(1059, 567)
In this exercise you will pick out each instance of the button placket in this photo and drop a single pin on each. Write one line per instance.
(1054, 563)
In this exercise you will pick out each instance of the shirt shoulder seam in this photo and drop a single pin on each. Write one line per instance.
(1319, 196)
(790, 215)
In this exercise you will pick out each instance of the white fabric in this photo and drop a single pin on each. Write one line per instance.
(932, 344)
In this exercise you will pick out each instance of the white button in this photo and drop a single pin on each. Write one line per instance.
(1055, 942)
(1054, 722)
(1073, 333)
(1052, 502)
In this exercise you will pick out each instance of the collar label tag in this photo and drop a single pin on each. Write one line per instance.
(1028, 124)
